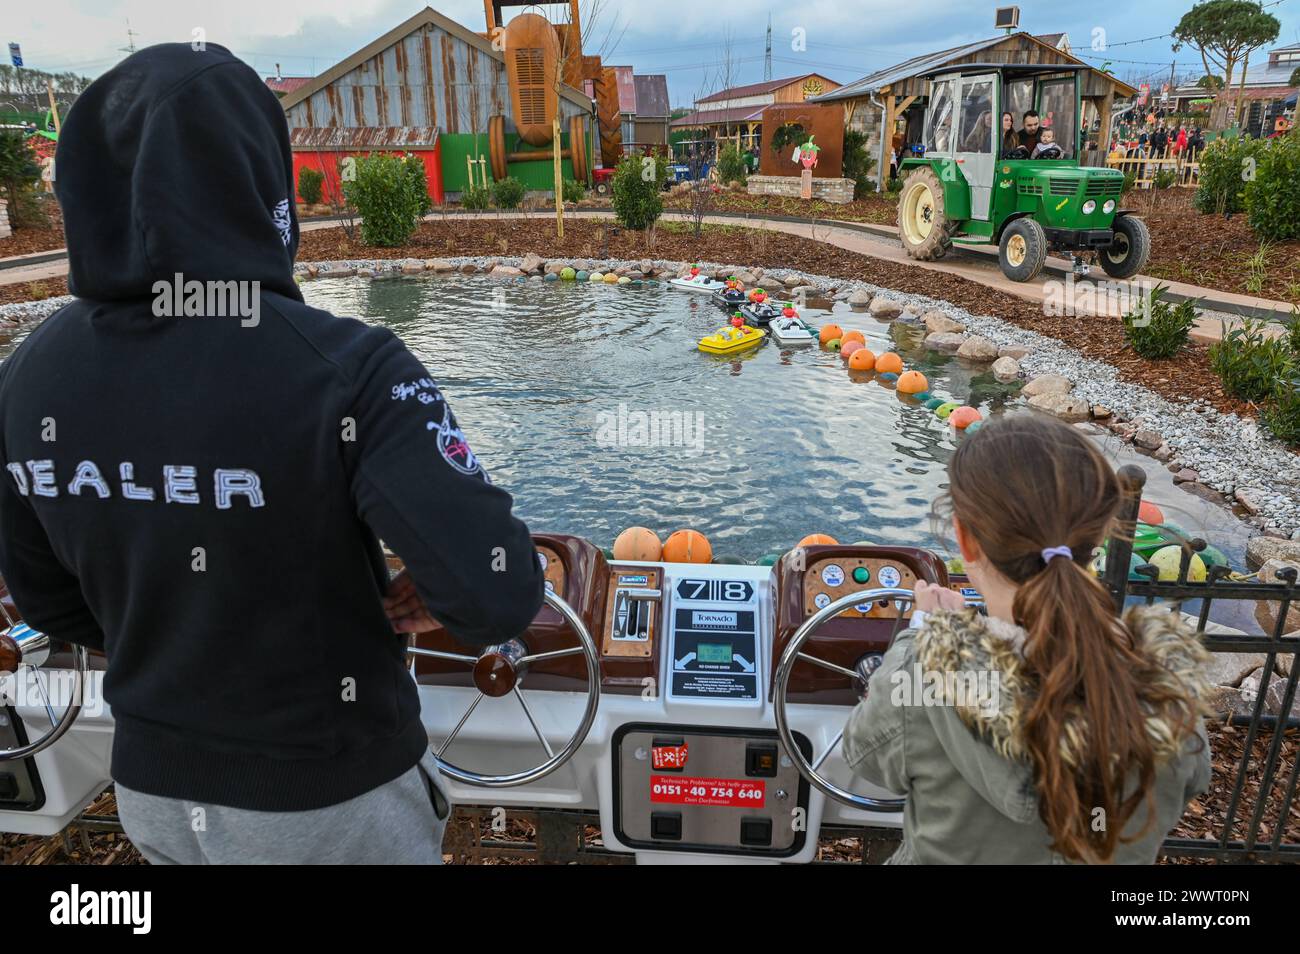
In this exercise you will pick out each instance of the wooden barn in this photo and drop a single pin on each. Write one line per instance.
(432, 87)
(895, 98)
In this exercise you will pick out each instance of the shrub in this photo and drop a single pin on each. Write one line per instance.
(1130, 180)
(858, 163)
(1273, 196)
(20, 173)
(309, 184)
(1222, 182)
(1158, 329)
(1250, 362)
(731, 165)
(573, 190)
(1281, 413)
(637, 183)
(390, 194)
(894, 186)
(476, 197)
(1164, 179)
(508, 193)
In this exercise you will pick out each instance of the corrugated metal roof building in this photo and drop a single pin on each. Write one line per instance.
(431, 86)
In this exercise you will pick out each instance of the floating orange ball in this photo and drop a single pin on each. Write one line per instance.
(848, 347)
(912, 382)
(817, 540)
(638, 543)
(889, 363)
(1150, 513)
(962, 417)
(687, 546)
(830, 333)
(852, 336)
(862, 360)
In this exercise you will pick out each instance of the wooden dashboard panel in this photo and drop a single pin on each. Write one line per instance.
(850, 635)
(552, 569)
(830, 578)
(638, 577)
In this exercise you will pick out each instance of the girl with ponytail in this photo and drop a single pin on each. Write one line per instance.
(1088, 743)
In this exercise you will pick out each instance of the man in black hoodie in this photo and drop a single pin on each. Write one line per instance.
(202, 497)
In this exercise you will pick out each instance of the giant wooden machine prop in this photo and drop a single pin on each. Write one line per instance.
(538, 53)
(696, 708)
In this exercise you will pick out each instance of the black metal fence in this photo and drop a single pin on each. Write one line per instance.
(1271, 739)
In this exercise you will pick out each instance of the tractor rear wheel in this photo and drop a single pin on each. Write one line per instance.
(922, 225)
(609, 119)
(1128, 253)
(1022, 250)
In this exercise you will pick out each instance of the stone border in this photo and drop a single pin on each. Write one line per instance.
(1221, 457)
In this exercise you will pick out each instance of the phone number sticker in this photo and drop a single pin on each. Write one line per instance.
(716, 792)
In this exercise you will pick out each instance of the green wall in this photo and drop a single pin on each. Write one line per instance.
(536, 176)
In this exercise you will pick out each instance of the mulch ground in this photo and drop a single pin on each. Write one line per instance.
(1204, 818)
(1184, 377)
(36, 238)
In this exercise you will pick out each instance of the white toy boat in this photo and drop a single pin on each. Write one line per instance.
(698, 283)
(791, 331)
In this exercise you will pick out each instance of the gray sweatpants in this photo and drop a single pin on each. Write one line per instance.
(400, 823)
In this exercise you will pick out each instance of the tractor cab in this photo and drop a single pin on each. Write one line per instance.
(979, 183)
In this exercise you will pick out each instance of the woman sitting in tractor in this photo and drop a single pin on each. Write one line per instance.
(1085, 741)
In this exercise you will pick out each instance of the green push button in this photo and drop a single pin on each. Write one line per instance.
(861, 575)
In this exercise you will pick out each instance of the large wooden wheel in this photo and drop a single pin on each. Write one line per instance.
(611, 129)
(497, 146)
(578, 149)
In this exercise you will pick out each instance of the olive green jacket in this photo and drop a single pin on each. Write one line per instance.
(953, 747)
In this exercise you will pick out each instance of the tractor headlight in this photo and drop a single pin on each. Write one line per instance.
(1109, 207)
(1089, 207)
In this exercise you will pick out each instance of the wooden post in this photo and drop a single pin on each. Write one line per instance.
(559, 181)
(54, 107)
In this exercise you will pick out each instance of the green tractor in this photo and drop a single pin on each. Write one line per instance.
(970, 188)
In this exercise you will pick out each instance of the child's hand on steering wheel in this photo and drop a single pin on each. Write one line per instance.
(931, 596)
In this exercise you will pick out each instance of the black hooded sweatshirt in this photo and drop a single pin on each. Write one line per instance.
(203, 496)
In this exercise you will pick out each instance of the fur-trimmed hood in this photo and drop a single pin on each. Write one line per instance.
(966, 642)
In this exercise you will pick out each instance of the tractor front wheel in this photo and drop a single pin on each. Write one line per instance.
(1023, 250)
(922, 225)
(1128, 253)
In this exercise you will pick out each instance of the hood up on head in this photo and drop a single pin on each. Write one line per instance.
(177, 160)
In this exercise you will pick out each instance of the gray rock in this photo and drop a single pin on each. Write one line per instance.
(938, 322)
(1013, 351)
(884, 309)
(1006, 369)
(1064, 406)
(1186, 475)
(860, 298)
(532, 264)
(1260, 549)
(505, 271)
(438, 265)
(944, 341)
(1047, 384)
(976, 348)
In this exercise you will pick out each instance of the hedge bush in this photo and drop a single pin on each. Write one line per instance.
(1273, 196)
(1281, 413)
(390, 194)
(638, 186)
(1250, 362)
(1221, 187)
(1158, 329)
(731, 165)
(573, 191)
(508, 193)
(476, 198)
(309, 184)
(858, 163)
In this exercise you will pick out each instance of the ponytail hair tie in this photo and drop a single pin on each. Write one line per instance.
(1050, 552)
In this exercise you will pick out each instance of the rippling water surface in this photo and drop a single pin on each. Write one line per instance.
(551, 380)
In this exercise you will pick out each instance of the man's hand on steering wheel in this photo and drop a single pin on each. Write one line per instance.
(405, 609)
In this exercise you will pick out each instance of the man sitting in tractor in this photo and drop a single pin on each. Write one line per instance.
(1031, 135)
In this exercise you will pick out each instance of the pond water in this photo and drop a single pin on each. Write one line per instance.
(592, 406)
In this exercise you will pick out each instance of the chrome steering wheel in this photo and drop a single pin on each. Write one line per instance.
(794, 653)
(500, 670)
(21, 646)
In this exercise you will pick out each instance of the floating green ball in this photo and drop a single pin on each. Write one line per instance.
(595, 277)
(889, 376)
(769, 559)
(729, 560)
(943, 410)
(1213, 556)
(920, 396)
(833, 344)
(568, 274)
(581, 276)
(974, 426)
(1168, 560)
(934, 402)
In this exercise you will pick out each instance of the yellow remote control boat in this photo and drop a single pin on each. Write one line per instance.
(731, 339)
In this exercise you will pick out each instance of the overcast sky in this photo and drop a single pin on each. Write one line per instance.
(844, 39)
